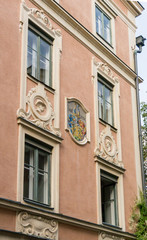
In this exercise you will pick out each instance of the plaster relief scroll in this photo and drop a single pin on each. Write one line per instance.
(39, 15)
(107, 148)
(39, 110)
(37, 226)
(106, 236)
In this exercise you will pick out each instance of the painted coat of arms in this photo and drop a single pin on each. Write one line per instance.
(77, 121)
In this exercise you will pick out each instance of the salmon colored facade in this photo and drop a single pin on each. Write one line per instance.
(70, 163)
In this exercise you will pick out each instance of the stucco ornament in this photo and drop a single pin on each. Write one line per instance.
(39, 110)
(107, 236)
(39, 15)
(106, 70)
(37, 226)
(107, 148)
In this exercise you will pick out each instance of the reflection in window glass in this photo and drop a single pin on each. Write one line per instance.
(105, 106)
(103, 25)
(39, 58)
(36, 174)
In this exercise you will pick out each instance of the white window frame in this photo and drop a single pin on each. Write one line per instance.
(120, 193)
(25, 128)
(111, 15)
(105, 72)
(34, 146)
(38, 18)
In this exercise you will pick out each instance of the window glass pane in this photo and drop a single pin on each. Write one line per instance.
(32, 40)
(101, 108)
(43, 178)
(98, 21)
(32, 62)
(108, 201)
(108, 113)
(106, 29)
(100, 90)
(44, 70)
(44, 49)
(108, 95)
(29, 173)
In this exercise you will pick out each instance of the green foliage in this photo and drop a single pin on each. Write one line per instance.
(144, 139)
(144, 128)
(138, 219)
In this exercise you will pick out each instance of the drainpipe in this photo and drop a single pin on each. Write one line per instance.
(140, 43)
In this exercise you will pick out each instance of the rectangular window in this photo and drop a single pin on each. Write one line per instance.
(105, 103)
(39, 56)
(37, 163)
(109, 198)
(103, 24)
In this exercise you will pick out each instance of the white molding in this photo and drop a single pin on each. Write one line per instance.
(87, 113)
(38, 110)
(37, 226)
(63, 19)
(107, 148)
(105, 71)
(42, 21)
(121, 14)
(112, 16)
(120, 193)
(27, 130)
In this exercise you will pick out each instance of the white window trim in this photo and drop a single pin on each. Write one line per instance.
(105, 71)
(23, 131)
(42, 21)
(112, 16)
(25, 127)
(120, 194)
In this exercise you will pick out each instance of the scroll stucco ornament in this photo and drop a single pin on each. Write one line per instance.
(39, 110)
(39, 15)
(37, 226)
(107, 236)
(107, 148)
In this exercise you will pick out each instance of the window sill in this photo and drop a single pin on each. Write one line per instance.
(50, 89)
(31, 202)
(105, 124)
(111, 226)
(103, 39)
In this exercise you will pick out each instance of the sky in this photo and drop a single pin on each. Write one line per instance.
(141, 22)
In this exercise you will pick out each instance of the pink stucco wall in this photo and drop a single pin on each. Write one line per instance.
(10, 42)
(77, 186)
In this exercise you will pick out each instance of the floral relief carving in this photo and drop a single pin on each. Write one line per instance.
(39, 110)
(107, 236)
(38, 14)
(37, 226)
(107, 148)
(104, 68)
(41, 16)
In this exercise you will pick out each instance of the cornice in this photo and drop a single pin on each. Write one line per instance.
(83, 35)
(28, 124)
(19, 207)
(135, 6)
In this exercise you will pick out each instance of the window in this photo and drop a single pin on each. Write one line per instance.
(103, 24)
(37, 163)
(105, 105)
(109, 198)
(39, 56)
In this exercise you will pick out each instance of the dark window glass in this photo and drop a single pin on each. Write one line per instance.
(109, 198)
(36, 174)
